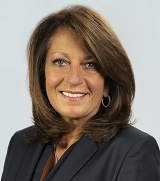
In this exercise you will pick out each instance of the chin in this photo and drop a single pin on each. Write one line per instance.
(72, 116)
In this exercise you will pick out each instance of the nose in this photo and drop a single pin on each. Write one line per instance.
(74, 76)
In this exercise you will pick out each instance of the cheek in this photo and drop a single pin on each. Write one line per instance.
(52, 78)
(49, 80)
(51, 83)
(96, 85)
(99, 83)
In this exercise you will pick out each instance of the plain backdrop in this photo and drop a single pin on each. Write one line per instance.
(137, 23)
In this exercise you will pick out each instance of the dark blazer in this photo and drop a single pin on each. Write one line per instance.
(131, 155)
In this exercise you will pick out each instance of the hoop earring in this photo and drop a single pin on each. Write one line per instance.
(109, 101)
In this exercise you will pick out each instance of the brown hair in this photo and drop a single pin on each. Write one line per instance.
(114, 64)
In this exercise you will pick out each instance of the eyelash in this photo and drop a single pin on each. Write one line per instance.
(59, 62)
(90, 65)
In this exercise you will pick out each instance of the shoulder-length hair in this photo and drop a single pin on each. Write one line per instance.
(114, 64)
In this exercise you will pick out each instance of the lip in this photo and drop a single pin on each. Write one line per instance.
(73, 95)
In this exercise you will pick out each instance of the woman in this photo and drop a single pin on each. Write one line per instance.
(82, 87)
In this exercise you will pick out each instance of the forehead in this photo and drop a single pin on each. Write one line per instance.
(65, 33)
(67, 39)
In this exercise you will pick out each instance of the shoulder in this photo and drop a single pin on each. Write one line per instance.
(20, 151)
(132, 142)
(138, 146)
(19, 135)
(131, 135)
(140, 154)
(30, 129)
(18, 138)
(18, 145)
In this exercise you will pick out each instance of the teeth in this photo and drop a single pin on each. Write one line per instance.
(72, 95)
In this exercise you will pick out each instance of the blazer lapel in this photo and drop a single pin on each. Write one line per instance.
(81, 153)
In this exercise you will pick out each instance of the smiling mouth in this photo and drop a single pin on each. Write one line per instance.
(68, 94)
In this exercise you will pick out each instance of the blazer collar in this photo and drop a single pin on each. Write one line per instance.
(83, 150)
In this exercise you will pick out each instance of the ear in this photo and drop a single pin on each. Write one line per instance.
(105, 91)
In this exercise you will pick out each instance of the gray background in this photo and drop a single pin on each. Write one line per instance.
(137, 24)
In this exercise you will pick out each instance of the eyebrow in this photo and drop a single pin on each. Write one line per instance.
(88, 57)
(66, 55)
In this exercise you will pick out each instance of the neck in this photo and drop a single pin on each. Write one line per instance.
(68, 140)
(72, 137)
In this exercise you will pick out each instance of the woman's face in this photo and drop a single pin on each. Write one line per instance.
(74, 87)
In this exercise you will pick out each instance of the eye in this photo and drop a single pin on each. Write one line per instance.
(60, 62)
(90, 65)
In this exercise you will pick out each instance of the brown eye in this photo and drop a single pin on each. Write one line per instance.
(90, 65)
(59, 62)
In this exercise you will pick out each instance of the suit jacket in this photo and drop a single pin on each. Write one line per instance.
(131, 155)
